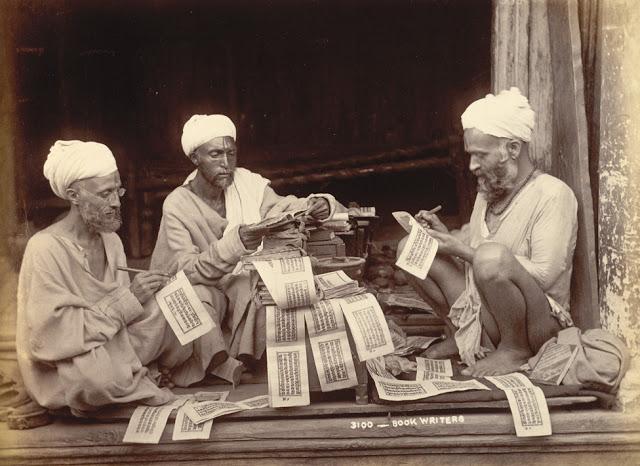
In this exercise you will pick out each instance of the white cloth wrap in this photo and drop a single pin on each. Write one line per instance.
(202, 128)
(69, 161)
(507, 115)
(242, 198)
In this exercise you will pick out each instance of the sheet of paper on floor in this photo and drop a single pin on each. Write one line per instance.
(527, 404)
(147, 424)
(185, 429)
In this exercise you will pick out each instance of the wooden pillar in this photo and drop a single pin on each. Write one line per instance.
(520, 50)
(571, 157)
(618, 98)
(541, 85)
(8, 120)
(536, 47)
(510, 45)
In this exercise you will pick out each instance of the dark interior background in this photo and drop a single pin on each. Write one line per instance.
(304, 81)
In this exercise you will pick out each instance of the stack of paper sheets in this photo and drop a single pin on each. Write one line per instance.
(291, 286)
(336, 285)
(263, 294)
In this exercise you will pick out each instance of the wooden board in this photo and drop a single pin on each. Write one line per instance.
(480, 433)
(338, 408)
(571, 161)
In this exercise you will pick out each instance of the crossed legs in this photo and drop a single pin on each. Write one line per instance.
(516, 315)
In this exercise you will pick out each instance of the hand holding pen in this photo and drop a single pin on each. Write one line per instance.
(429, 219)
(146, 282)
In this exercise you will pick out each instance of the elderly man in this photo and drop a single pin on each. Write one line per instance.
(505, 291)
(85, 333)
(206, 228)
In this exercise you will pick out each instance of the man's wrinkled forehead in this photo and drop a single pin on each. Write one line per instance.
(217, 143)
(477, 141)
(100, 183)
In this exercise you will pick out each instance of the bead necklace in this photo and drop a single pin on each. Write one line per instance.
(512, 196)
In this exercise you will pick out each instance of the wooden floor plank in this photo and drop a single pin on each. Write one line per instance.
(73, 442)
(337, 408)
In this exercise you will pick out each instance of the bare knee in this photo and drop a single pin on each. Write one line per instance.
(492, 262)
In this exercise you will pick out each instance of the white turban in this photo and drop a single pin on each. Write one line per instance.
(69, 161)
(202, 128)
(507, 115)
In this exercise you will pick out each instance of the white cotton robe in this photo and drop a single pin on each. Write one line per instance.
(539, 228)
(194, 237)
(83, 342)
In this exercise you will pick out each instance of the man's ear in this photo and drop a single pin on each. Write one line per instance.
(72, 195)
(194, 158)
(514, 146)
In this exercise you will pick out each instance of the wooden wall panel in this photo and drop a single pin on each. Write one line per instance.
(536, 46)
(571, 154)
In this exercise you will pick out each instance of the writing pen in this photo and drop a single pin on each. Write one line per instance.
(131, 269)
(421, 220)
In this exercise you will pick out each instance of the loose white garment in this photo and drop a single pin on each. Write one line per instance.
(539, 228)
(242, 198)
(85, 342)
(506, 115)
(194, 237)
(202, 128)
(69, 161)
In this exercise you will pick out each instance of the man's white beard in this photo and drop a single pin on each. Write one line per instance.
(495, 184)
(97, 221)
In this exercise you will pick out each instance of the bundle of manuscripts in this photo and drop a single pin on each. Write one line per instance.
(293, 298)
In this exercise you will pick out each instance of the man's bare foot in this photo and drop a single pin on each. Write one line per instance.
(501, 361)
(165, 378)
(441, 350)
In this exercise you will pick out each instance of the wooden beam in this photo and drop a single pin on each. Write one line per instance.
(540, 90)
(510, 45)
(8, 123)
(572, 158)
(367, 170)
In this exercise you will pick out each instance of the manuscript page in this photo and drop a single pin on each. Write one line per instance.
(330, 346)
(527, 404)
(200, 412)
(287, 357)
(183, 310)
(554, 363)
(147, 424)
(419, 251)
(289, 281)
(428, 369)
(185, 429)
(368, 326)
